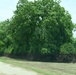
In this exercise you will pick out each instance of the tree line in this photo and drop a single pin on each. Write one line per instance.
(38, 30)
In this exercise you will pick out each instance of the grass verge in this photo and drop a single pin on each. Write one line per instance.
(43, 68)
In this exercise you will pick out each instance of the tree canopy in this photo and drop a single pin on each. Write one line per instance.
(39, 27)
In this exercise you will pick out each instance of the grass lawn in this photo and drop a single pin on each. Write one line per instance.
(43, 68)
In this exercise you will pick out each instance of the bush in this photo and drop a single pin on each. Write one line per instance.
(67, 48)
(67, 53)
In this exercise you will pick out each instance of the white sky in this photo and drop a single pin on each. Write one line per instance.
(70, 5)
(8, 6)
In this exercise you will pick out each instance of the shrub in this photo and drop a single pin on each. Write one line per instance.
(67, 53)
(67, 48)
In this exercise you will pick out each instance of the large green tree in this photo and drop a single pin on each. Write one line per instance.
(40, 27)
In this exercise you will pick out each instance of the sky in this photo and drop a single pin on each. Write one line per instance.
(7, 8)
(70, 5)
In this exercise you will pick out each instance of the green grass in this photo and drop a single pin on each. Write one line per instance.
(43, 68)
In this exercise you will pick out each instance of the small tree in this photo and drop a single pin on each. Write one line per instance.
(67, 48)
(67, 52)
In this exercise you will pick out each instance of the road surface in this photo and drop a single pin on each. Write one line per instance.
(7, 69)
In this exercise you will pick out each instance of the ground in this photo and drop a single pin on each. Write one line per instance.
(7, 69)
(38, 67)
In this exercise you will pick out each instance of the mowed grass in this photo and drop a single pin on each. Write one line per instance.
(43, 68)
